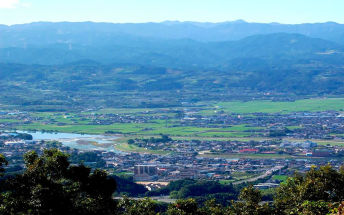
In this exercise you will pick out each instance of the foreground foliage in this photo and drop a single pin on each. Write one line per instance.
(50, 185)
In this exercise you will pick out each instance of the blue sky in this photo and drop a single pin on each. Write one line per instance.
(283, 11)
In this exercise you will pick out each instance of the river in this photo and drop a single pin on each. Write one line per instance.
(85, 142)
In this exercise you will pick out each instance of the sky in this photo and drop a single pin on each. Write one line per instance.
(138, 11)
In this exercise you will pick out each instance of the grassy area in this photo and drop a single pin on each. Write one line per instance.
(152, 128)
(9, 120)
(321, 142)
(89, 129)
(293, 127)
(76, 123)
(337, 135)
(280, 177)
(274, 107)
(226, 182)
(73, 123)
(124, 174)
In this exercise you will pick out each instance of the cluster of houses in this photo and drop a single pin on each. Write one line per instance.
(298, 125)
(205, 159)
(147, 167)
(236, 147)
(111, 118)
(302, 125)
(173, 167)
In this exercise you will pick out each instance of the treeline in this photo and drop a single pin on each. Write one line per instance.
(22, 136)
(89, 158)
(50, 185)
(163, 139)
(200, 190)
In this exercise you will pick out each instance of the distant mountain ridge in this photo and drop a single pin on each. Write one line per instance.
(18, 35)
(170, 62)
(182, 53)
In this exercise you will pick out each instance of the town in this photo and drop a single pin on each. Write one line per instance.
(194, 142)
(231, 161)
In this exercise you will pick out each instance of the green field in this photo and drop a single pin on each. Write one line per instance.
(8, 120)
(152, 128)
(280, 177)
(284, 107)
(79, 123)
(322, 142)
(338, 135)
(87, 129)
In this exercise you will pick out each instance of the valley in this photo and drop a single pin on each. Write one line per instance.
(172, 111)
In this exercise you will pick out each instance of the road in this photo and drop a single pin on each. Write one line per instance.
(266, 174)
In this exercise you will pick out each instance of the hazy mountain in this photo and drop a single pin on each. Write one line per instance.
(43, 33)
(183, 53)
(167, 61)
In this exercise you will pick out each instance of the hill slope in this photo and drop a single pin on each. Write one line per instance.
(179, 53)
(86, 32)
(66, 65)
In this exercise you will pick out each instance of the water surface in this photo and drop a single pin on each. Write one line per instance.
(86, 142)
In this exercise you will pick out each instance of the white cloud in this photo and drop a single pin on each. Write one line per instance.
(12, 4)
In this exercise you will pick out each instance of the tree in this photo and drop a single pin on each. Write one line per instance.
(3, 162)
(320, 186)
(24, 136)
(88, 157)
(50, 185)
(137, 207)
(314, 208)
(212, 208)
(183, 207)
(249, 203)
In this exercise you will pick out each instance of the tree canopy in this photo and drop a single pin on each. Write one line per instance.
(51, 185)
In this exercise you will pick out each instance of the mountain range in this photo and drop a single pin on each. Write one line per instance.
(170, 44)
(167, 62)
(86, 32)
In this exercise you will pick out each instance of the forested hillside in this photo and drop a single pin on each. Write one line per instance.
(90, 84)
(65, 65)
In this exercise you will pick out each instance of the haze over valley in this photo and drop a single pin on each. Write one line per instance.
(180, 60)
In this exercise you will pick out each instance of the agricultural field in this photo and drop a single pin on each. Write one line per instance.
(322, 142)
(152, 122)
(280, 177)
(318, 104)
(71, 123)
